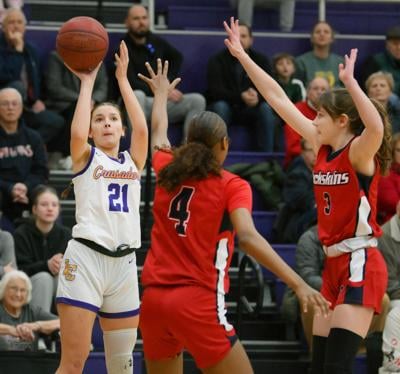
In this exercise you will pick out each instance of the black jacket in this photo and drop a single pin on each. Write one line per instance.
(155, 47)
(22, 159)
(33, 248)
(11, 63)
(223, 80)
(298, 211)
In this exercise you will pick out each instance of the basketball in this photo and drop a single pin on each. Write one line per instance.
(82, 42)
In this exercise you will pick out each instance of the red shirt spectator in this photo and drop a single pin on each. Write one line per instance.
(389, 186)
(315, 89)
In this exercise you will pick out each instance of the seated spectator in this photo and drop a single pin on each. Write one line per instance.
(144, 46)
(380, 86)
(310, 259)
(389, 244)
(387, 61)
(315, 89)
(62, 87)
(298, 211)
(391, 346)
(23, 160)
(284, 68)
(389, 186)
(232, 95)
(7, 253)
(286, 11)
(320, 61)
(18, 4)
(20, 68)
(40, 244)
(20, 323)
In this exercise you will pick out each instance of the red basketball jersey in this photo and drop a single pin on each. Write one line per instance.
(192, 239)
(346, 200)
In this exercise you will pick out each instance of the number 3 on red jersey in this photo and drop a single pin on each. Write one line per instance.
(328, 204)
(179, 209)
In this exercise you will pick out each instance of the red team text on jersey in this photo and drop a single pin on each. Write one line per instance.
(346, 200)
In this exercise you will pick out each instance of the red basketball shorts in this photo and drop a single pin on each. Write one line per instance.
(177, 318)
(358, 278)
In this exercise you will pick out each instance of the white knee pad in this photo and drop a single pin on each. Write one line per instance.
(118, 347)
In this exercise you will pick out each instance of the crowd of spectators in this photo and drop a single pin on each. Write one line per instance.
(35, 123)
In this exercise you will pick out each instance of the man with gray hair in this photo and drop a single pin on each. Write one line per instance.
(20, 68)
(23, 160)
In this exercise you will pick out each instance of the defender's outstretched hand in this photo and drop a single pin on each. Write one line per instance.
(159, 83)
(121, 61)
(346, 70)
(233, 40)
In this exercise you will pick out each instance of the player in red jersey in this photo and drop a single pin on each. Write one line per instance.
(197, 208)
(351, 138)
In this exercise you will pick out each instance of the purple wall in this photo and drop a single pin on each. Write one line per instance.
(198, 48)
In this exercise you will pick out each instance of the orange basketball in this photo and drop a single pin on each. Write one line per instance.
(82, 42)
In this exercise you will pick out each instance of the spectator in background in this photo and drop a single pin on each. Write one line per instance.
(320, 61)
(387, 61)
(389, 244)
(315, 89)
(391, 346)
(18, 4)
(380, 86)
(62, 88)
(21, 323)
(40, 244)
(389, 185)
(298, 212)
(144, 46)
(284, 68)
(23, 160)
(20, 68)
(286, 11)
(232, 95)
(7, 253)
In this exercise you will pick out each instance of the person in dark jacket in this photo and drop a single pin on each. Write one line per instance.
(144, 46)
(232, 95)
(387, 61)
(40, 244)
(298, 212)
(23, 159)
(20, 68)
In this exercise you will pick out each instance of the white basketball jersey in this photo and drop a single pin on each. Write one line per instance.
(107, 193)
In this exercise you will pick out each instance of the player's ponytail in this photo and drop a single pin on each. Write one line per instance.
(384, 154)
(195, 160)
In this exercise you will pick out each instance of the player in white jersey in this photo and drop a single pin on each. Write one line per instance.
(99, 274)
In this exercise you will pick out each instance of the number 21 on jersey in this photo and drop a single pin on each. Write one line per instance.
(179, 209)
(118, 198)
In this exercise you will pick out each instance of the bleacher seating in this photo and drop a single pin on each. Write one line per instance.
(371, 17)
